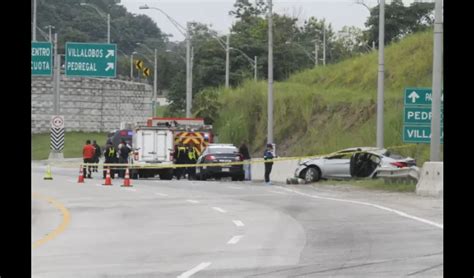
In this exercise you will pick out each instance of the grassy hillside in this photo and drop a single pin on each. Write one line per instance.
(328, 108)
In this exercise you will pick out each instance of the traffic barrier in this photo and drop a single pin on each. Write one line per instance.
(108, 180)
(48, 175)
(126, 180)
(80, 179)
(431, 180)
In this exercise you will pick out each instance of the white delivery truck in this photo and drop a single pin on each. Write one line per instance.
(152, 145)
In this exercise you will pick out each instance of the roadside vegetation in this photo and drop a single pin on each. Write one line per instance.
(321, 110)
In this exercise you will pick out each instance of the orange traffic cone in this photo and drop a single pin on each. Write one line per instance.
(126, 180)
(108, 181)
(81, 175)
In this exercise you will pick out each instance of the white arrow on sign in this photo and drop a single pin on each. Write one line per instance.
(110, 66)
(413, 96)
(110, 52)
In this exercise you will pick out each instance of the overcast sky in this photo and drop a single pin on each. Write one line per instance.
(215, 12)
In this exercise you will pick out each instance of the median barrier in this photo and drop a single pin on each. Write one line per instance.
(431, 180)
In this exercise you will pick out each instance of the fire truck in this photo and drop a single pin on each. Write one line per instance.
(155, 143)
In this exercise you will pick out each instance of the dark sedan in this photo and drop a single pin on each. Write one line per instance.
(220, 153)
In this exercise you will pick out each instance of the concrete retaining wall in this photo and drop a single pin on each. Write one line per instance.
(431, 180)
(89, 104)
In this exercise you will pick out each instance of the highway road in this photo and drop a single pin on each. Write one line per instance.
(229, 229)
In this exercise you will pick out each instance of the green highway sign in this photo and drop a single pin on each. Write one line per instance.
(41, 58)
(419, 115)
(419, 134)
(419, 96)
(91, 59)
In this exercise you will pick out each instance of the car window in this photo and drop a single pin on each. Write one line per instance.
(223, 150)
(375, 159)
(340, 156)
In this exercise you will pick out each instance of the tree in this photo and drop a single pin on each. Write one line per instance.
(400, 20)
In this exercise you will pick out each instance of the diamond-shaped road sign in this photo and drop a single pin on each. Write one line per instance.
(91, 59)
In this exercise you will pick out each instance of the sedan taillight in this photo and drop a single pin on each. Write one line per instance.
(210, 157)
(399, 164)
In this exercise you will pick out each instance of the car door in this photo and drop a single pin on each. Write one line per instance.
(337, 166)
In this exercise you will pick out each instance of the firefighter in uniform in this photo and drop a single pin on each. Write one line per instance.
(181, 157)
(193, 154)
(110, 155)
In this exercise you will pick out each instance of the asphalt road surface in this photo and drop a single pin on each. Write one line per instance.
(228, 229)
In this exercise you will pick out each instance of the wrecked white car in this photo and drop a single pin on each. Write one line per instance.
(363, 162)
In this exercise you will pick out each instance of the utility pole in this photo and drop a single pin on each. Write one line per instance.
(315, 53)
(34, 20)
(154, 86)
(108, 28)
(255, 68)
(227, 50)
(380, 83)
(131, 66)
(324, 45)
(437, 82)
(270, 75)
(189, 96)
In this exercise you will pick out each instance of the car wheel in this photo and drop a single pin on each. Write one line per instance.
(312, 175)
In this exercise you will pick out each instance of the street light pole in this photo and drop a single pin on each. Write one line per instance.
(380, 83)
(131, 65)
(315, 53)
(101, 14)
(108, 28)
(50, 36)
(189, 96)
(154, 85)
(34, 20)
(324, 45)
(188, 56)
(227, 61)
(270, 75)
(255, 69)
(437, 82)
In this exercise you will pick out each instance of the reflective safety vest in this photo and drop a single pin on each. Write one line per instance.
(111, 152)
(193, 154)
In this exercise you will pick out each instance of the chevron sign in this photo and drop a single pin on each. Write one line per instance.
(57, 139)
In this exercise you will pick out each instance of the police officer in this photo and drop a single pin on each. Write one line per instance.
(268, 157)
(181, 157)
(193, 154)
(110, 155)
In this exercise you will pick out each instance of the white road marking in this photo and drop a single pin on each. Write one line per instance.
(401, 213)
(194, 270)
(161, 194)
(234, 187)
(234, 240)
(238, 223)
(279, 192)
(219, 209)
(193, 201)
